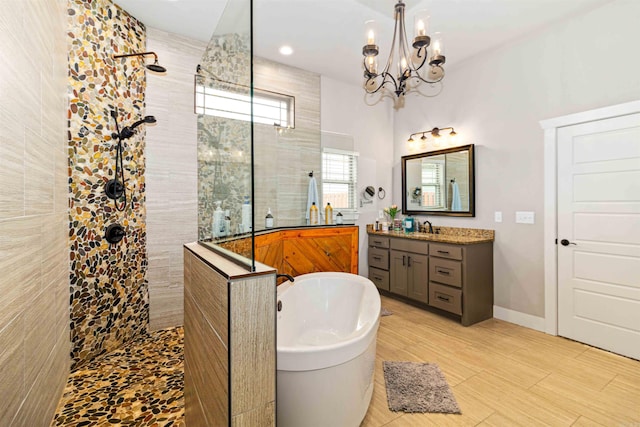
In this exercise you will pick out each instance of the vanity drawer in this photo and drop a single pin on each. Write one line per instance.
(409, 245)
(445, 251)
(378, 241)
(445, 271)
(445, 298)
(380, 278)
(378, 258)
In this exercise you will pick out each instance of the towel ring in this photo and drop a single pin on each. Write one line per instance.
(381, 193)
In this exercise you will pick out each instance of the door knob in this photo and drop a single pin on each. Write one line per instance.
(565, 242)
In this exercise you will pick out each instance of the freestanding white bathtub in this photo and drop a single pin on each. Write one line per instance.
(326, 338)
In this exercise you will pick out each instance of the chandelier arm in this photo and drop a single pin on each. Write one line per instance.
(403, 51)
(424, 59)
(417, 75)
(387, 78)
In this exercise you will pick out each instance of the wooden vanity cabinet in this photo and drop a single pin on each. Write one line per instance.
(457, 278)
(461, 280)
(378, 258)
(409, 269)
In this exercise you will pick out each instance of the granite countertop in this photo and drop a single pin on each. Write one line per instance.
(454, 235)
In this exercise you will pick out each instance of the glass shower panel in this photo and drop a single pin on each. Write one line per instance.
(223, 102)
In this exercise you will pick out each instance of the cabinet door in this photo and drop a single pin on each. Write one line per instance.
(398, 272)
(418, 277)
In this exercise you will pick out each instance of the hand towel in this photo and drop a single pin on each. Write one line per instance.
(312, 197)
(456, 203)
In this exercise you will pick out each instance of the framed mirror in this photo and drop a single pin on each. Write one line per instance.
(439, 182)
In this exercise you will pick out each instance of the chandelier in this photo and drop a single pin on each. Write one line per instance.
(414, 66)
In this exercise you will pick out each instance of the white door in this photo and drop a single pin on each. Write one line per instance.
(599, 233)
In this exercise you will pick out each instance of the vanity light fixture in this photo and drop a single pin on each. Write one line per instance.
(422, 64)
(435, 133)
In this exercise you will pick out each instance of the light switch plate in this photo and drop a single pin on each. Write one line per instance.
(497, 216)
(525, 217)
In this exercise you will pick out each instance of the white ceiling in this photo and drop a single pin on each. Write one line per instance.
(327, 35)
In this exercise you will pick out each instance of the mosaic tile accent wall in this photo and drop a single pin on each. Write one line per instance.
(109, 296)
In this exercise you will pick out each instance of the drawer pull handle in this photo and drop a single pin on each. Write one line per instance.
(442, 298)
(377, 258)
(446, 273)
(377, 277)
(403, 257)
(408, 261)
(443, 252)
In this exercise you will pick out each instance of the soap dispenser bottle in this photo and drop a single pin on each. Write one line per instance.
(227, 223)
(218, 220)
(268, 220)
(339, 218)
(246, 215)
(328, 214)
(313, 214)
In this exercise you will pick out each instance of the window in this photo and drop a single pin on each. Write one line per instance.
(433, 185)
(339, 178)
(269, 108)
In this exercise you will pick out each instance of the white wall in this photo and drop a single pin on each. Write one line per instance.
(171, 172)
(342, 110)
(495, 100)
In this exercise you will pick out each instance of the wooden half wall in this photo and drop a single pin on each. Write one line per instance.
(230, 343)
(303, 250)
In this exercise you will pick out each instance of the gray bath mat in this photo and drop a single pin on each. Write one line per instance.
(418, 387)
(385, 312)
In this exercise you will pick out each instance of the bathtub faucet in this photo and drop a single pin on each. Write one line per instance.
(289, 277)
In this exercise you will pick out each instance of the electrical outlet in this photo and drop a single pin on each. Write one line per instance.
(380, 214)
(497, 216)
(525, 217)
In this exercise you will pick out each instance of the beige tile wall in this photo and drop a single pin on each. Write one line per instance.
(171, 173)
(34, 222)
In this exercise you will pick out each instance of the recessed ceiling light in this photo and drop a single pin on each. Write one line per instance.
(285, 50)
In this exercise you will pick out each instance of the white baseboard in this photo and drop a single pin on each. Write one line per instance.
(519, 318)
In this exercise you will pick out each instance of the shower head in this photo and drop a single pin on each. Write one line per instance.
(155, 67)
(129, 131)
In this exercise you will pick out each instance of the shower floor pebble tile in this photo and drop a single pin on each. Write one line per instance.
(140, 385)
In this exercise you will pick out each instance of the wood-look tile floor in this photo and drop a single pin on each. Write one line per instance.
(501, 375)
(506, 375)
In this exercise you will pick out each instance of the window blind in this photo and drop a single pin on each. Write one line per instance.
(433, 185)
(269, 108)
(339, 178)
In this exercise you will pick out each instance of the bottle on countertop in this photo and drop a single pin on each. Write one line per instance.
(268, 220)
(313, 214)
(246, 215)
(339, 218)
(218, 221)
(227, 223)
(409, 225)
(328, 214)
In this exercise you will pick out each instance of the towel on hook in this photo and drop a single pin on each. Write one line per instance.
(456, 203)
(312, 197)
